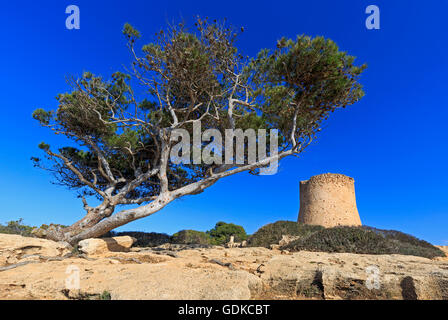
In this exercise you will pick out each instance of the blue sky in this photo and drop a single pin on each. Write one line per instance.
(393, 143)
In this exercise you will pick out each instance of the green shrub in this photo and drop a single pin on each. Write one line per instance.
(364, 240)
(16, 227)
(400, 236)
(272, 233)
(144, 239)
(105, 295)
(222, 232)
(191, 237)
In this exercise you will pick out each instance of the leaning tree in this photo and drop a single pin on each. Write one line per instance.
(122, 128)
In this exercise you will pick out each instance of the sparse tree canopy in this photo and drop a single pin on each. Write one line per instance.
(123, 126)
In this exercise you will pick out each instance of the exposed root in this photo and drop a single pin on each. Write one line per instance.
(43, 259)
(12, 266)
(126, 259)
(167, 253)
(224, 264)
(161, 252)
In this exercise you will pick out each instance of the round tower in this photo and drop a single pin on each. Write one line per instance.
(328, 200)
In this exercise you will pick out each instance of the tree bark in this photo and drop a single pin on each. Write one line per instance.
(98, 222)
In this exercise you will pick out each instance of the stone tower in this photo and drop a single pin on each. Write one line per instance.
(328, 200)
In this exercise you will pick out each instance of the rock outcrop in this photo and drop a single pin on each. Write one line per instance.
(186, 272)
(15, 248)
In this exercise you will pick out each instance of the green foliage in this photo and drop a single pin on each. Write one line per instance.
(75, 250)
(130, 32)
(222, 231)
(191, 237)
(272, 233)
(44, 146)
(364, 240)
(122, 124)
(42, 116)
(309, 76)
(16, 227)
(52, 225)
(128, 138)
(144, 239)
(42, 231)
(219, 235)
(401, 237)
(105, 295)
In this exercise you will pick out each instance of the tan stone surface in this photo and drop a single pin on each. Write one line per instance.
(254, 273)
(15, 248)
(105, 245)
(328, 200)
(445, 250)
(286, 238)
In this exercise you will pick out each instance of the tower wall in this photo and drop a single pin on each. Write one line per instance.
(328, 200)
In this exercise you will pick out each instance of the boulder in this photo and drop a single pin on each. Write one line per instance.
(286, 239)
(99, 246)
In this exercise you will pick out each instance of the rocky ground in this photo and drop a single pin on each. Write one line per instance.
(33, 268)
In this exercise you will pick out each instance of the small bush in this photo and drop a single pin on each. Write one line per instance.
(272, 233)
(16, 227)
(105, 296)
(222, 232)
(400, 236)
(144, 239)
(191, 237)
(42, 231)
(364, 240)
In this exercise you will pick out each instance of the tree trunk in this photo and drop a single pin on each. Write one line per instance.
(58, 233)
(98, 222)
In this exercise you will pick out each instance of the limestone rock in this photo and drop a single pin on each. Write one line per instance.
(98, 246)
(14, 248)
(256, 273)
(349, 276)
(287, 239)
(233, 244)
